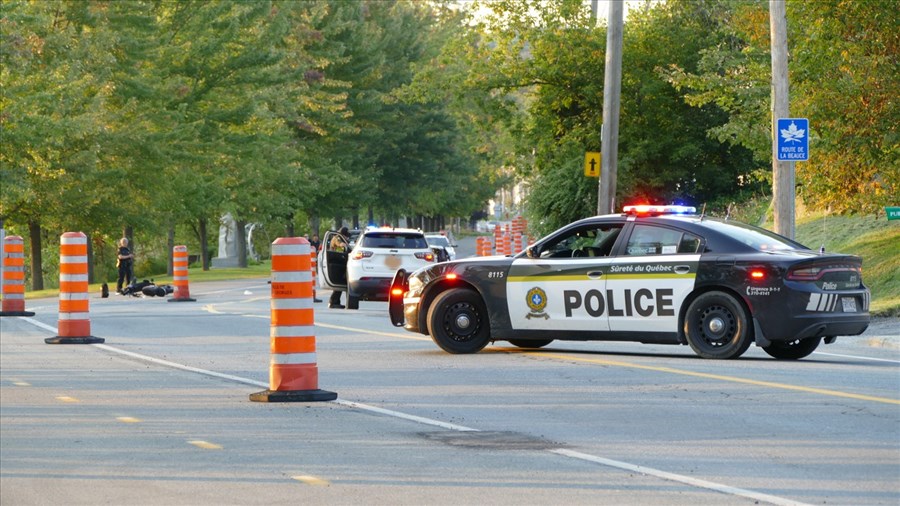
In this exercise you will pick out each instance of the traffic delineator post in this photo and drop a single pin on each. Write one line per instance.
(13, 289)
(293, 371)
(180, 275)
(74, 324)
(483, 246)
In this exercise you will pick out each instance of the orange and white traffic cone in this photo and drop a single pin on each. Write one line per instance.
(293, 372)
(74, 324)
(180, 275)
(13, 290)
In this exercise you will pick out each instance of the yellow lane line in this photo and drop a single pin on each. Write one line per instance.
(730, 379)
(719, 377)
(66, 398)
(312, 480)
(21, 384)
(128, 419)
(206, 445)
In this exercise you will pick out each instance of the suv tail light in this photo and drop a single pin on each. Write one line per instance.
(428, 257)
(360, 254)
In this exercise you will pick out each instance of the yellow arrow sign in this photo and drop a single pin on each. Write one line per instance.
(592, 164)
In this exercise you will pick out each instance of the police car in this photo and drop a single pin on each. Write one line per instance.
(653, 274)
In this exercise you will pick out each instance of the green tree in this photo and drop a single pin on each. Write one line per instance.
(666, 152)
(846, 76)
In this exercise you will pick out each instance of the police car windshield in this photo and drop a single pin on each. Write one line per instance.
(394, 240)
(757, 238)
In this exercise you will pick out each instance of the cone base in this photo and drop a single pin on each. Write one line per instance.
(16, 313)
(74, 340)
(293, 396)
(183, 300)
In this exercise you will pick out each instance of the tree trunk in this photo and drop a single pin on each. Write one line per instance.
(170, 254)
(315, 225)
(37, 267)
(240, 237)
(204, 245)
(128, 233)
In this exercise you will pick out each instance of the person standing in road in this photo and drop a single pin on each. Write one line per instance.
(125, 264)
(340, 243)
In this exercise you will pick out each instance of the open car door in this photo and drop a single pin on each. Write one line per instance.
(332, 265)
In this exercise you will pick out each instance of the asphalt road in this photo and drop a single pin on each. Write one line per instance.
(160, 414)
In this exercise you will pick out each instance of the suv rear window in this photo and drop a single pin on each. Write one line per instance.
(394, 240)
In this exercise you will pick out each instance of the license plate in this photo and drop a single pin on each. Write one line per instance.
(849, 304)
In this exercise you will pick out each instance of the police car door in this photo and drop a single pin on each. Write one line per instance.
(562, 287)
(647, 284)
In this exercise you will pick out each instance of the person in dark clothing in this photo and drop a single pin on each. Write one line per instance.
(341, 243)
(125, 263)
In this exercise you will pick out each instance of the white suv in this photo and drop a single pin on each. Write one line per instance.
(366, 272)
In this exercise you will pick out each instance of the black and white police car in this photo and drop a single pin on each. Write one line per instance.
(653, 274)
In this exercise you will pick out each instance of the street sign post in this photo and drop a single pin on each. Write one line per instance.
(793, 139)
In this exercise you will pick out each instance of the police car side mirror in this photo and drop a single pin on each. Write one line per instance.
(533, 252)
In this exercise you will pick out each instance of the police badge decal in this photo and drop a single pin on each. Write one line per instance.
(537, 301)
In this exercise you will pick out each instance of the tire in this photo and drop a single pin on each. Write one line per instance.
(458, 322)
(352, 302)
(530, 343)
(716, 326)
(793, 350)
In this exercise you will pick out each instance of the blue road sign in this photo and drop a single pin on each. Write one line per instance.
(793, 139)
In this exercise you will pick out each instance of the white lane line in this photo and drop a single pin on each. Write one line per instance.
(41, 325)
(687, 480)
(856, 357)
(412, 418)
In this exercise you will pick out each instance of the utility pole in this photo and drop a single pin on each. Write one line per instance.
(783, 187)
(612, 90)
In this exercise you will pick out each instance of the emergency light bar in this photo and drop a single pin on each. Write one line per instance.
(658, 210)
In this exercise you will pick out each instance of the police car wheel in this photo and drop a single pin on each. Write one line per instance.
(530, 343)
(716, 326)
(793, 350)
(457, 321)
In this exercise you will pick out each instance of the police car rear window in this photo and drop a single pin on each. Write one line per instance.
(394, 240)
(756, 238)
